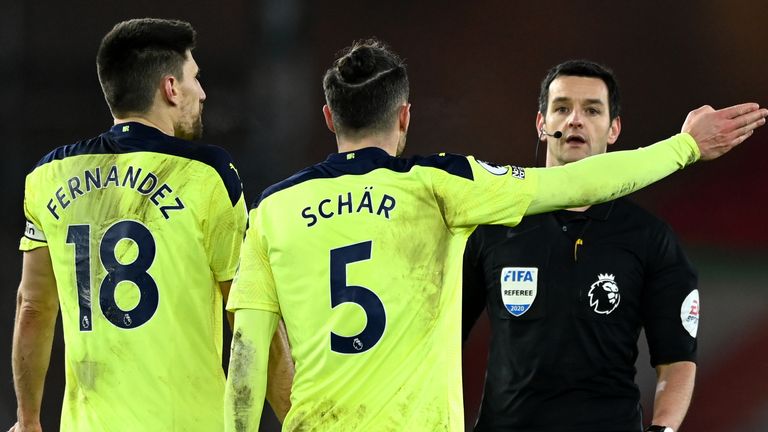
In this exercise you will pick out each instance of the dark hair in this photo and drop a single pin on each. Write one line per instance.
(135, 55)
(365, 87)
(582, 68)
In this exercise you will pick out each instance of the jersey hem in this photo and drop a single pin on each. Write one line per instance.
(269, 307)
(27, 244)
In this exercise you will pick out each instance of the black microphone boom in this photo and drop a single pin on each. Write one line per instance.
(542, 132)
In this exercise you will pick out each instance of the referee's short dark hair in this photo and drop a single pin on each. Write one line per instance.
(135, 55)
(583, 68)
(364, 88)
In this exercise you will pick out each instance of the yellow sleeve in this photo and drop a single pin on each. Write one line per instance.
(226, 229)
(487, 195)
(608, 176)
(254, 284)
(247, 378)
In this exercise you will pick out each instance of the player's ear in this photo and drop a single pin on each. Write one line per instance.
(615, 130)
(328, 118)
(170, 90)
(404, 117)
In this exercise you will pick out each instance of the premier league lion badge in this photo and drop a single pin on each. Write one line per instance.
(604, 296)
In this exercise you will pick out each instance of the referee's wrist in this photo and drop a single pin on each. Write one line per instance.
(657, 428)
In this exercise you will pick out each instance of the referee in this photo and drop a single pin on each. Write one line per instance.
(568, 292)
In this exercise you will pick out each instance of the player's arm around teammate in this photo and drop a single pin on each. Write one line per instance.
(280, 368)
(246, 383)
(37, 306)
(253, 334)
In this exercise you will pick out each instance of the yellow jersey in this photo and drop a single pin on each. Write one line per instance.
(141, 227)
(361, 256)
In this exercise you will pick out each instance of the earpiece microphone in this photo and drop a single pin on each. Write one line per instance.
(542, 132)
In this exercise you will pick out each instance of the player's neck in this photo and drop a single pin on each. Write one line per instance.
(163, 126)
(385, 142)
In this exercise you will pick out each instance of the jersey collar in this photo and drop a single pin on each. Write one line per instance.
(135, 129)
(367, 153)
(600, 211)
(597, 211)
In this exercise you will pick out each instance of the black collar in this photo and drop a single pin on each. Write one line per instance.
(599, 212)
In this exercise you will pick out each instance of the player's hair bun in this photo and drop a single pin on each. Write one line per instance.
(358, 65)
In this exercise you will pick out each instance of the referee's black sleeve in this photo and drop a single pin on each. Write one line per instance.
(671, 279)
(473, 284)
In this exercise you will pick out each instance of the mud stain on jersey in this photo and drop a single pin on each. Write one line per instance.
(242, 398)
(416, 413)
(327, 415)
(426, 269)
(87, 373)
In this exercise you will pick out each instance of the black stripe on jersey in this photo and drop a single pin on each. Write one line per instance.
(141, 138)
(360, 162)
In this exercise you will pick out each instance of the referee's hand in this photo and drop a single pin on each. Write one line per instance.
(718, 131)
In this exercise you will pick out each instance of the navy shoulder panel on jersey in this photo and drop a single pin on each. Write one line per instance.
(136, 137)
(310, 173)
(457, 165)
(360, 162)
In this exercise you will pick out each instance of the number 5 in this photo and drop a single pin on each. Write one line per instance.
(367, 299)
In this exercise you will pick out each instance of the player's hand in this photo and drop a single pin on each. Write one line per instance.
(718, 131)
(19, 428)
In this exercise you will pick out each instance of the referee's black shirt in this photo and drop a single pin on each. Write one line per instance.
(567, 362)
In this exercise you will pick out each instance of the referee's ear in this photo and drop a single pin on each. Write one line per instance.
(615, 130)
(328, 118)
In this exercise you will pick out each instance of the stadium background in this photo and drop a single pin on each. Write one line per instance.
(475, 69)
